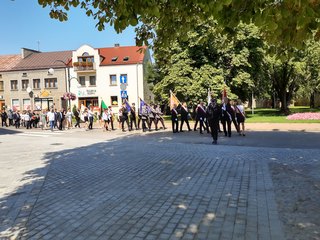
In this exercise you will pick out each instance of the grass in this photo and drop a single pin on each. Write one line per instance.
(267, 115)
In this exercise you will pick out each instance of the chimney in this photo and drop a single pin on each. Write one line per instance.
(117, 45)
(25, 52)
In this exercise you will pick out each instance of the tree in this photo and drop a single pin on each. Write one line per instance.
(285, 22)
(311, 82)
(286, 74)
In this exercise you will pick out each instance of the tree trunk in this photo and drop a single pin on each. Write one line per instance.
(312, 104)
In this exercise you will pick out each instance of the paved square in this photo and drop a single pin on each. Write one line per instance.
(152, 186)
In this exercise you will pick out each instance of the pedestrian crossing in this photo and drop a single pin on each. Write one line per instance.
(44, 134)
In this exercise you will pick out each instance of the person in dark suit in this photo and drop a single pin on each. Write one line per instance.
(60, 119)
(174, 119)
(201, 115)
(213, 116)
(226, 117)
(184, 116)
(133, 117)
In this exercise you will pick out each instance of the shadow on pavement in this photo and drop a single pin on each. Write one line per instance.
(5, 131)
(110, 188)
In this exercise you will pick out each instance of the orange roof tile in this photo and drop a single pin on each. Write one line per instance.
(134, 55)
(7, 62)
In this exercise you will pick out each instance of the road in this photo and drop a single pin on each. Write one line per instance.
(78, 184)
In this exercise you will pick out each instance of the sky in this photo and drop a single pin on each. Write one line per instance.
(25, 24)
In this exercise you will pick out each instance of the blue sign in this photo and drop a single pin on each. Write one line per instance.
(124, 94)
(123, 78)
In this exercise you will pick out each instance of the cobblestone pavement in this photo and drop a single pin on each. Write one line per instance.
(149, 186)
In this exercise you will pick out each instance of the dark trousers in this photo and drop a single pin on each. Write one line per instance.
(78, 122)
(186, 121)
(17, 123)
(123, 120)
(133, 120)
(90, 122)
(201, 121)
(175, 125)
(145, 124)
(214, 127)
(236, 125)
(226, 123)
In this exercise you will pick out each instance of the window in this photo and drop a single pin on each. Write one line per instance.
(14, 84)
(26, 104)
(92, 80)
(113, 80)
(1, 86)
(114, 59)
(82, 81)
(114, 100)
(125, 59)
(86, 58)
(25, 84)
(15, 104)
(36, 83)
(50, 83)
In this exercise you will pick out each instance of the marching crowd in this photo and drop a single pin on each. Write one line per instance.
(147, 117)
(209, 117)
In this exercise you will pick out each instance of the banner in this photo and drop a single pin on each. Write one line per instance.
(173, 100)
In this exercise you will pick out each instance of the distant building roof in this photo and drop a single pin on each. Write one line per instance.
(44, 60)
(122, 55)
(7, 62)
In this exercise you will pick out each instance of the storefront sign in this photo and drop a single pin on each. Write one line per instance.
(87, 92)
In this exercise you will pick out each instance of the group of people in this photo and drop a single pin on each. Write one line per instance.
(209, 117)
(129, 118)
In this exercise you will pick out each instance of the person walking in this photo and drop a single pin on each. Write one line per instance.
(226, 117)
(43, 119)
(69, 118)
(241, 117)
(159, 116)
(51, 117)
(4, 117)
(77, 117)
(213, 115)
(184, 116)
(90, 117)
(124, 118)
(60, 119)
(174, 119)
(106, 119)
(201, 115)
(133, 116)
(111, 113)
(144, 118)
(17, 119)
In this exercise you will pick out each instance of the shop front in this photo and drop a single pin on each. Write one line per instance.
(88, 97)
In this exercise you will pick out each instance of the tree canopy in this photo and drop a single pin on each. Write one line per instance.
(281, 21)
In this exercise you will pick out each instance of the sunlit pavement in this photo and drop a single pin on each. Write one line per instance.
(78, 184)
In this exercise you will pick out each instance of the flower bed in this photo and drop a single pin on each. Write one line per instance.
(305, 116)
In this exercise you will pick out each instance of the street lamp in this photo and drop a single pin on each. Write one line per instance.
(51, 71)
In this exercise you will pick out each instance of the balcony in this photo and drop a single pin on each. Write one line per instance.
(84, 66)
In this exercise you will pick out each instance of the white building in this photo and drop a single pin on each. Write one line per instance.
(109, 74)
(92, 74)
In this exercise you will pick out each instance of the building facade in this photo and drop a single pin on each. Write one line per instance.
(39, 80)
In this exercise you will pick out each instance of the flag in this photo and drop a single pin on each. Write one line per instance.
(173, 100)
(142, 103)
(209, 96)
(103, 106)
(224, 94)
(127, 105)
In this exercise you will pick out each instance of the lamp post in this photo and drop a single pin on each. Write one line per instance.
(51, 71)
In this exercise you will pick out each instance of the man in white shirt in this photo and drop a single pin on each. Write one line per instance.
(51, 118)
